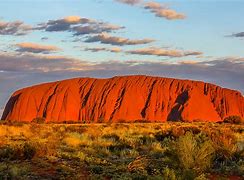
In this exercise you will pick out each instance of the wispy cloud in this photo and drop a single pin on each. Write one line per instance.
(161, 10)
(39, 63)
(238, 35)
(129, 2)
(95, 29)
(35, 48)
(105, 38)
(16, 28)
(158, 9)
(154, 51)
(97, 49)
(163, 52)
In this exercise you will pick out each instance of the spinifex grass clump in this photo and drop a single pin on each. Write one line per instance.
(121, 151)
(193, 153)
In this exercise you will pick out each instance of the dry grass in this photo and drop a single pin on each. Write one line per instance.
(121, 151)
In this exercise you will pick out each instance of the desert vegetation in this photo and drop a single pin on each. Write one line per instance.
(122, 151)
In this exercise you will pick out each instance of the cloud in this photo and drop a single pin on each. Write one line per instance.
(75, 20)
(44, 38)
(97, 49)
(1, 111)
(39, 63)
(240, 34)
(78, 26)
(105, 38)
(130, 2)
(16, 28)
(227, 72)
(162, 11)
(35, 48)
(158, 9)
(95, 29)
(163, 52)
(63, 24)
(149, 51)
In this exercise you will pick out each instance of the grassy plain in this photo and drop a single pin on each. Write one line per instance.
(122, 151)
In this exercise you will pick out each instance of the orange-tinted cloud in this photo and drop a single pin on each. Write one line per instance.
(78, 26)
(63, 24)
(74, 19)
(162, 11)
(35, 48)
(159, 9)
(163, 52)
(105, 38)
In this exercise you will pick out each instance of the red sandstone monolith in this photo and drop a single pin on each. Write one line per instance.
(126, 98)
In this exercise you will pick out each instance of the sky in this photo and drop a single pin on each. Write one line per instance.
(49, 40)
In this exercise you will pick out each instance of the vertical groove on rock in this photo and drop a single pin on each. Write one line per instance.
(48, 100)
(118, 103)
(143, 112)
(88, 94)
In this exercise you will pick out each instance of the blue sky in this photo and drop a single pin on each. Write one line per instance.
(202, 41)
(207, 22)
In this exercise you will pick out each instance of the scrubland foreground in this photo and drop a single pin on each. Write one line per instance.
(122, 151)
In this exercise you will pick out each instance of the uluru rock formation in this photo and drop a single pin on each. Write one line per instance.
(126, 98)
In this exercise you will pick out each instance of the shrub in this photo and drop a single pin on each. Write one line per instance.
(169, 174)
(73, 139)
(39, 120)
(17, 152)
(96, 169)
(225, 144)
(28, 151)
(12, 171)
(113, 137)
(6, 153)
(234, 120)
(139, 165)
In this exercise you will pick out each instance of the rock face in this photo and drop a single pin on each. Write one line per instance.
(127, 98)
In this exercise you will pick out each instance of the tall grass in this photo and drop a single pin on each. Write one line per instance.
(194, 154)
